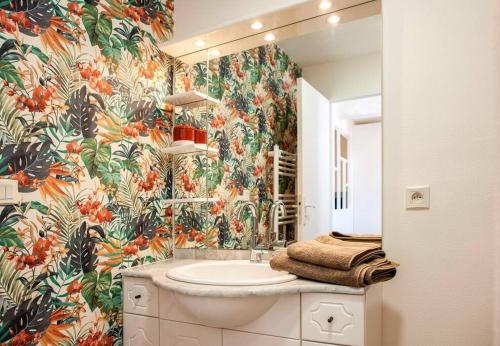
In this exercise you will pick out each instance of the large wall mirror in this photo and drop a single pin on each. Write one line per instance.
(299, 120)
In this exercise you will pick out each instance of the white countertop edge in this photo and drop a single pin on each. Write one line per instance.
(157, 273)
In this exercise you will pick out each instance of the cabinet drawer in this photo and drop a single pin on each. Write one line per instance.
(140, 330)
(234, 338)
(185, 334)
(140, 296)
(333, 318)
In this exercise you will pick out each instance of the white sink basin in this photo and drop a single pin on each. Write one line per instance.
(229, 273)
(226, 312)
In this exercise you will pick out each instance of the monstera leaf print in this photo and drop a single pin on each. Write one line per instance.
(31, 316)
(82, 111)
(145, 225)
(144, 111)
(32, 158)
(82, 250)
(38, 12)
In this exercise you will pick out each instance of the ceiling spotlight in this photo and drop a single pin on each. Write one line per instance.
(257, 25)
(269, 37)
(334, 19)
(325, 5)
(214, 52)
(200, 43)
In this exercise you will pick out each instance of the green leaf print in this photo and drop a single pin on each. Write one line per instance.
(95, 284)
(90, 17)
(95, 154)
(9, 73)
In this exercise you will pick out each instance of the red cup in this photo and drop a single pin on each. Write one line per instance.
(183, 133)
(200, 136)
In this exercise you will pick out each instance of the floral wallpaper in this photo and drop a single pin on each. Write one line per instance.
(258, 109)
(82, 122)
(82, 118)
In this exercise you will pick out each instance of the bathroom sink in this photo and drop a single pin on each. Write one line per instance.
(221, 311)
(229, 273)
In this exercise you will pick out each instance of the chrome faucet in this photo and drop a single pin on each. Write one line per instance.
(278, 205)
(256, 252)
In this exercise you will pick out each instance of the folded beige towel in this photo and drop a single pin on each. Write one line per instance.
(369, 273)
(334, 253)
(367, 238)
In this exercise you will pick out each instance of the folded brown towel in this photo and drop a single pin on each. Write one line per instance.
(334, 253)
(367, 238)
(369, 273)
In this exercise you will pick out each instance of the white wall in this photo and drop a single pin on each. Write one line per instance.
(194, 17)
(441, 127)
(366, 160)
(347, 79)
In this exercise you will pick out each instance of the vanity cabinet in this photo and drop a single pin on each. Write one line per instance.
(140, 330)
(300, 319)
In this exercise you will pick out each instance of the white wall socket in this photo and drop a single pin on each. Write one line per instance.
(418, 197)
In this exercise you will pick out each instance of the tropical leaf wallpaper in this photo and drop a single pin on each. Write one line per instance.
(258, 109)
(82, 118)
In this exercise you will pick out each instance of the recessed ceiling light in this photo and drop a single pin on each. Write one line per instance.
(214, 52)
(257, 25)
(199, 43)
(269, 37)
(325, 5)
(333, 19)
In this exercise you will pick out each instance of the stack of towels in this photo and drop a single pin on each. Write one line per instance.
(328, 258)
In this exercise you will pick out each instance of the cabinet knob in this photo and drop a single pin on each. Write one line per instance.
(138, 296)
(330, 319)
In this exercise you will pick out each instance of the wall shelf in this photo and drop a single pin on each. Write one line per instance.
(189, 148)
(191, 99)
(192, 200)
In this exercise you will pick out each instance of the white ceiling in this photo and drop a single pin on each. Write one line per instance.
(355, 38)
(359, 110)
(195, 17)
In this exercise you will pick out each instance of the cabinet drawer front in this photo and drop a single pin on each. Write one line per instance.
(140, 296)
(185, 334)
(234, 338)
(140, 330)
(333, 318)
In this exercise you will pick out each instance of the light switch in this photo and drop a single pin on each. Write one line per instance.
(8, 192)
(418, 197)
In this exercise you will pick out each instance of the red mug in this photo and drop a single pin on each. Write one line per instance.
(183, 133)
(200, 136)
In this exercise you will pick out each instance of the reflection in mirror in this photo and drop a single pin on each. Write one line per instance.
(297, 120)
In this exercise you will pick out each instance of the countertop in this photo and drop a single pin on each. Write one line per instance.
(157, 273)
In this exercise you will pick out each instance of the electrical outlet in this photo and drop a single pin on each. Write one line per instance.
(418, 197)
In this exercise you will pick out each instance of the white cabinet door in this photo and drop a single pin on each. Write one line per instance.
(234, 338)
(333, 318)
(185, 334)
(140, 296)
(140, 330)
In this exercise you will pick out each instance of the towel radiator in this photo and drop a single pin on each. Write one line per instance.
(285, 165)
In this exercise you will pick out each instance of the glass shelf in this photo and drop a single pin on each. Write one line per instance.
(189, 148)
(191, 99)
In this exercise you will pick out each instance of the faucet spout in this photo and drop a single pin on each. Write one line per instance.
(255, 224)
